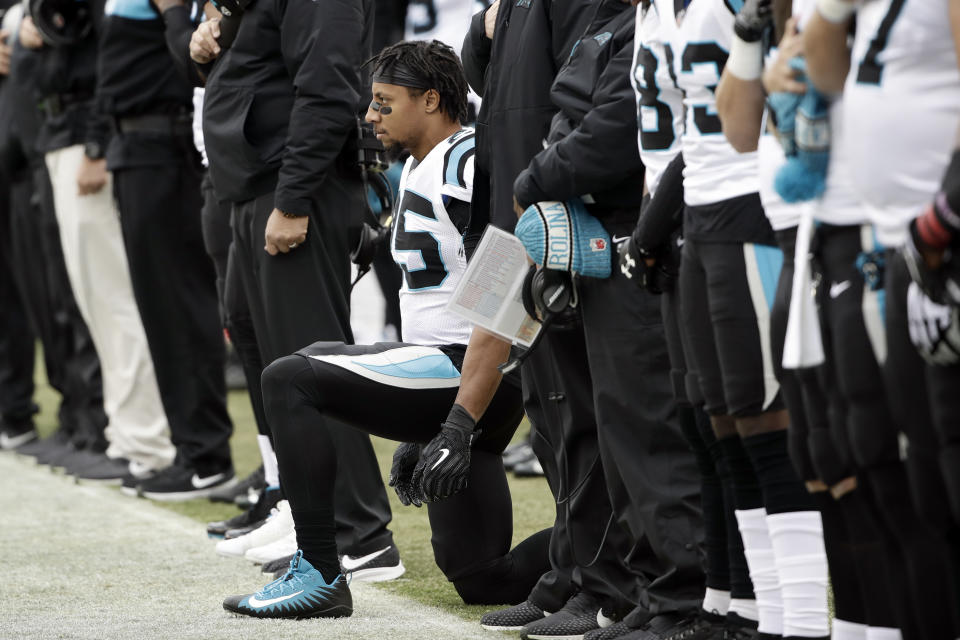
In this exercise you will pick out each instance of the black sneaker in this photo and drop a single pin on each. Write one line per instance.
(250, 519)
(277, 567)
(672, 626)
(378, 566)
(229, 494)
(300, 593)
(177, 483)
(737, 627)
(577, 617)
(82, 459)
(109, 471)
(514, 618)
(42, 447)
(616, 630)
(14, 436)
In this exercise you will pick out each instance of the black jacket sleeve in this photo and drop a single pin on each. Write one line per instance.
(600, 152)
(664, 213)
(322, 47)
(178, 28)
(475, 53)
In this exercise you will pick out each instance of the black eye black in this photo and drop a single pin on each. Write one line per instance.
(380, 108)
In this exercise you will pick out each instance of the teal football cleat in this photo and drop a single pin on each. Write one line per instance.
(300, 593)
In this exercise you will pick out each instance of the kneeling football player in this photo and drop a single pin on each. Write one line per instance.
(439, 390)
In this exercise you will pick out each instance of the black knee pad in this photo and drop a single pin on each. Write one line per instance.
(873, 437)
(928, 489)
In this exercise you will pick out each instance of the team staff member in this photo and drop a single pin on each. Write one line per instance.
(157, 172)
(74, 138)
(443, 374)
(513, 78)
(280, 106)
(651, 479)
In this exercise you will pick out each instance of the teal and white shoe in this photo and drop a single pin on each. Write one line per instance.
(300, 593)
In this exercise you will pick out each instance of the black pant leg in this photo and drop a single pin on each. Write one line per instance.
(301, 297)
(555, 586)
(17, 342)
(174, 284)
(651, 474)
(588, 543)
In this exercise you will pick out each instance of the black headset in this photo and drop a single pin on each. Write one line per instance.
(373, 233)
(550, 297)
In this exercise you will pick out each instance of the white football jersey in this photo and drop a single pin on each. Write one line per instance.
(701, 38)
(445, 20)
(426, 244)
(659, 99)
(901, 109)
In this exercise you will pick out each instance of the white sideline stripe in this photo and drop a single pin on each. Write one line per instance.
(86, 562)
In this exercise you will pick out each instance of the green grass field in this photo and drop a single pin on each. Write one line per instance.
(423, 582)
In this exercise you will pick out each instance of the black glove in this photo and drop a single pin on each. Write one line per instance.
(754, 18)
(444, 465)
(405, 460)
(655, 278)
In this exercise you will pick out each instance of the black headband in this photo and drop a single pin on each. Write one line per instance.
(401, 75)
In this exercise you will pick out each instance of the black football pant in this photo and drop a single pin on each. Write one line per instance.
(234, 311)
(296, 299)
(70, 359)
(330, 387)
(174, 284)
(17, 342)
(933, 550)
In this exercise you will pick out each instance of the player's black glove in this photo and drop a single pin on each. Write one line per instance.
(405, 460)
(754, 18)
(934, 328)
(444, 466)
(657, 277)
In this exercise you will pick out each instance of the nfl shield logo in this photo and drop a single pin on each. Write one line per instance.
(598, 244)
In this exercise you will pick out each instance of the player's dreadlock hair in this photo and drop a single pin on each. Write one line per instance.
(432, 65)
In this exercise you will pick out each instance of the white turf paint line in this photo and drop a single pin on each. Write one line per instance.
(82, 562)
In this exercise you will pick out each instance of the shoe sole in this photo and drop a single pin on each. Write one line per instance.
(378, 574)
(543, 636)
(339, 611)
(182, 496)
(493, 627)
(133, 492)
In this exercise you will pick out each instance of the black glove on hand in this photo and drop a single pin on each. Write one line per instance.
(754, 18)
(444, 465)
(405, 460)
(655, 278)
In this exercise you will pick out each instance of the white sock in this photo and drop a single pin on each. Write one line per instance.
(801, 559)
(270, 469)
(843, 630)
(758, 550)
(744, 608)
(883, 633)
(715, 601)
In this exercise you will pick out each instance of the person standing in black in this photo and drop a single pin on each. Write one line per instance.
(157, 173)
(281, 104)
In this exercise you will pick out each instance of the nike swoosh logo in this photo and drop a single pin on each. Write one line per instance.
(209, 481)
(256, 602)
(443, 456)
(618, 239)
(839, 287)
(349, 564)
(12, 442)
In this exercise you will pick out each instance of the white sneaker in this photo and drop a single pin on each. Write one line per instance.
(277, 526)
(282, 548)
